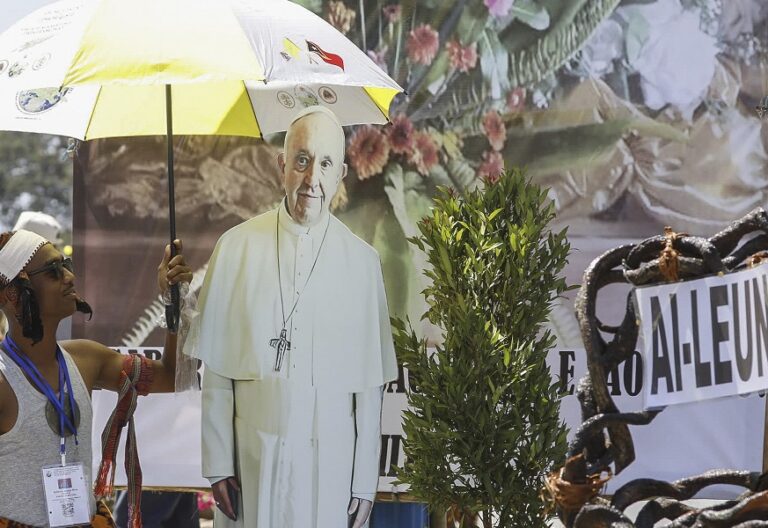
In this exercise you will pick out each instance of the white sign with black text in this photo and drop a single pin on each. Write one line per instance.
(705, 338)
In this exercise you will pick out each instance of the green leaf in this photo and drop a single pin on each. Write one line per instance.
(495, 213)
(446, 261)
(494, 63)
(438, 69)
(473, 20)
(439, 175)
(531, 14)
(534, 54)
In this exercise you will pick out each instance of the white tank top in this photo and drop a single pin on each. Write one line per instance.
(32, 444)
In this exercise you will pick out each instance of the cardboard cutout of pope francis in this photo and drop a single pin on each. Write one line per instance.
(295, 335)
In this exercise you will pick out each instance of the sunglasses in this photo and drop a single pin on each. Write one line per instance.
(55, 269)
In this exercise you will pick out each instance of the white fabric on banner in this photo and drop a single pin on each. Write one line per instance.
(168, 437)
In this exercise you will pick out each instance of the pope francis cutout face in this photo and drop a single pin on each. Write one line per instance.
(312, 165)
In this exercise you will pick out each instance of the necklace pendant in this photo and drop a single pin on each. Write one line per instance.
(280, 344)
(52, 416)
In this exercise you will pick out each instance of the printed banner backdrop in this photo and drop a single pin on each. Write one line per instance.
(635, 115)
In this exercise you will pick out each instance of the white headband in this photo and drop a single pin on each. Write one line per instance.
(17, 253)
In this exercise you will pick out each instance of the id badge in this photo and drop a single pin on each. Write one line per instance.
(66, 495)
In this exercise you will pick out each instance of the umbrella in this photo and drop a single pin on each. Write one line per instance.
(110, 68)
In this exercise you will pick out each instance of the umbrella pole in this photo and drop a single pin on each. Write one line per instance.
(171, 310)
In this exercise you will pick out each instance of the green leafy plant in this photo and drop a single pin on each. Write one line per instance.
(483, 428)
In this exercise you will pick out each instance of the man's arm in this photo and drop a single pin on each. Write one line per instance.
(102, 367)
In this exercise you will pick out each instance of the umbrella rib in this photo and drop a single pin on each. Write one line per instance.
(93, 111)
(248, 95)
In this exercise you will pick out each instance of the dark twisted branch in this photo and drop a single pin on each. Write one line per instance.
(649, 273)
(601, 516)
(690, 519)
(727, 239)
(604, 437)
(683, 489)
(746, 250)
(752, 508)
(620, 440)
(661, 508)
(623, 344)
(600, 421)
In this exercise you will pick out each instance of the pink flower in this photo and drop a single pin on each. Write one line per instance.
(392, 13)
(368, 152)
(499, 8)
(495, 130)
(379, 57)
(424, 155)
(422, 44)
(491, 167)
(462, 58)
(516, 100)
(340, 16)
(400, 134)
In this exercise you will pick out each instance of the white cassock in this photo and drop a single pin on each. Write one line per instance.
(302, 441)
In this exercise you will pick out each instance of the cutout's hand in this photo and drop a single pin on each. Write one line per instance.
(221, 496)
(361, 510)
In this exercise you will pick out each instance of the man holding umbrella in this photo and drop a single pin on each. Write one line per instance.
(45, 386)
(295, 335)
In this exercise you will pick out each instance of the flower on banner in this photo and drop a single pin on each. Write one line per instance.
(463, 58)
(499, 8)
(425, 152)
(392, 12)
(400, 134)
(516, 100)
(491, 166)
(368, 152)
(422, 45)
(495, 129)
(380, 57)
(340, 16)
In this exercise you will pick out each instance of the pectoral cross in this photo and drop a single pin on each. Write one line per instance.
(281, 344)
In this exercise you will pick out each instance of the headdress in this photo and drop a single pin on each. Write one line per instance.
(17, 253)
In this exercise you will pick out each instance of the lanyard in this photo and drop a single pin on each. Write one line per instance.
(43, 386)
